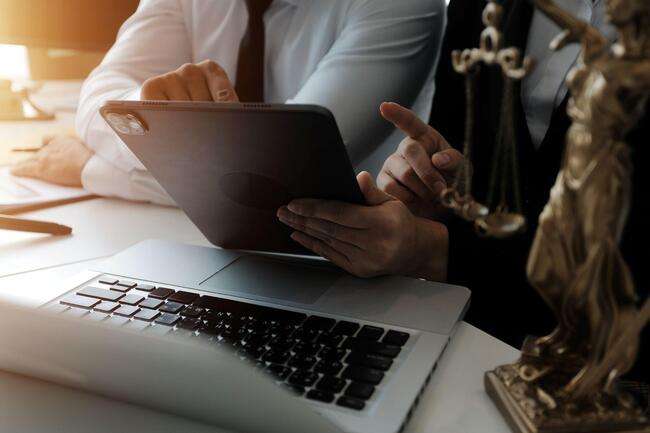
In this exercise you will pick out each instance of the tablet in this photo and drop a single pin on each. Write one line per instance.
(231, 166)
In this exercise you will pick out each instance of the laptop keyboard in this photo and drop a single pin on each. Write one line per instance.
(320, 358)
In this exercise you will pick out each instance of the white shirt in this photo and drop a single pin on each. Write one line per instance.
(545, 89)
(346, 55)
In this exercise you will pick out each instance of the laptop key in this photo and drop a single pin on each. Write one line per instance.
(303, 378)
(332, 353)
(396, 338)
(145, 287)
(385, 350)
(107, 307)
(171, 307)
(122, 289)
(279, 371)
(370, 333)
(360, 390)
(126, 310)
(345, 328)
(161, 293)
(168, 319)
(108, 281)
(131, 299)
(305, 335)
(295, 389)
(363, 374)
(159, 330)
(137, 325)
(330, 339)
(192, 311)
(96, 316)
(151, 303)
(329, 367)
(303, 362)
(282, 344)
(306, 348)
(126, 283)
(369, 360)
(276, 357)
(80, 301)
(318, 395)
(319, 323)
(103, 294)
(375, 347)
(183, 297)
(286, 316)
(331, 384)
(189, 323)
(117, 320)
(350, 402)
(147, 315)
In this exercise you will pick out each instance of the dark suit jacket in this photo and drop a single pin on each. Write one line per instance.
(503, 303)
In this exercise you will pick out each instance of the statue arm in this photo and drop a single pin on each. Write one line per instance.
(575, 30)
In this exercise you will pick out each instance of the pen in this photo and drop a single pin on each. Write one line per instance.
(26, 149)
(33, 226)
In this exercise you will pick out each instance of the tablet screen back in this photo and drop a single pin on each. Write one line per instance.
(231, 166)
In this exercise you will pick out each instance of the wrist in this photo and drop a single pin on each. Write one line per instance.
(430, 256)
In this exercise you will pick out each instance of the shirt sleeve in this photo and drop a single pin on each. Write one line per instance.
(385, 52)
(162, 45)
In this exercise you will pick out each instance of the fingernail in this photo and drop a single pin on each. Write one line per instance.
(441, 159)
(223, 95)
(294, 208)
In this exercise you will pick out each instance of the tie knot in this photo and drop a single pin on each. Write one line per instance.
(256, 8)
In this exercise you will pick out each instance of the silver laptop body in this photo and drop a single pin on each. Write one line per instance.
(401, 325)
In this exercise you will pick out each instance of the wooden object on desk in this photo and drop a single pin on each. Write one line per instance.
(33, 226)
(45, 205)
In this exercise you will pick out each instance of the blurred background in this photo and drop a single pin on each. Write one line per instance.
(47, 48)
(57, 39)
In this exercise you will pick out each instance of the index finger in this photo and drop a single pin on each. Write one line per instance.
(414, 127)
(344, 214)
(404, 119)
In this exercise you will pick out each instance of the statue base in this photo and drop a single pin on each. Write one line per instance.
(527, 411)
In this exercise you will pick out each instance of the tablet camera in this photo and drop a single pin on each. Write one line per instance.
(127, 124)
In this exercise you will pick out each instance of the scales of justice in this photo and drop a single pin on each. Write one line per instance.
(568, 381)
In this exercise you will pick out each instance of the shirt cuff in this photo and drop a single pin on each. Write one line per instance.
(102, 178)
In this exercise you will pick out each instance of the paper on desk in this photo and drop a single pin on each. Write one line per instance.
(17, 192)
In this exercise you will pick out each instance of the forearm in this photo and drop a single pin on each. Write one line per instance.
(431, 252)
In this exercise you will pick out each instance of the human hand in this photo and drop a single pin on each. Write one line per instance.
(381, 238)
(61, 160)
(205, 81)
(423, 165)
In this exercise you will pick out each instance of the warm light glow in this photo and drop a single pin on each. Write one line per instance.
(13, 62)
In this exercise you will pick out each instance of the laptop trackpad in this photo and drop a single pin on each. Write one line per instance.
(261, 277)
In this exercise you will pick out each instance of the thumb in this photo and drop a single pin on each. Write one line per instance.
(374, 196)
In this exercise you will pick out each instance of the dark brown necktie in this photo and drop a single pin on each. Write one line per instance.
(250, 64)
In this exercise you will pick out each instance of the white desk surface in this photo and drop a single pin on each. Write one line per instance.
(31, 265)
(453, 402)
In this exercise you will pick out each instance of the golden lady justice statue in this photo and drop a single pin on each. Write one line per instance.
(567, 381)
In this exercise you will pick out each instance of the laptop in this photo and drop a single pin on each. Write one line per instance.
(244, 340)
